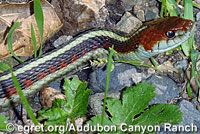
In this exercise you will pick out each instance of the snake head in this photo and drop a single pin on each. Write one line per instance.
(165, 34)
(157, 36)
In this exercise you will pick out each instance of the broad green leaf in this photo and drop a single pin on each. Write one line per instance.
(134, 101)
(71, 88)
(76, 105)
(133, 109)
(159, 114)
(3, 124)
(95, 121)
(4, 67)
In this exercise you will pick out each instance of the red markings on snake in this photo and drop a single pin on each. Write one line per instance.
(62, 64)
(52, 69)
(27, 83)
(41, 75)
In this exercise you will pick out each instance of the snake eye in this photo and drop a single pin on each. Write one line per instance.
(170, 34)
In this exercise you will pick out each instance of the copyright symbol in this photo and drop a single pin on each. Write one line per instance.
(10, 127)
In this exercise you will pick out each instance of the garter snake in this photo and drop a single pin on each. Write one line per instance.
(152, 38)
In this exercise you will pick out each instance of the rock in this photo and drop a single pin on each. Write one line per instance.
(128, 4)
(183, 64)
(197, 33)
(55, 85)
(197, 1)
(128, 22)
(190, 114)
(150, 15)
(48, 95)
(140, 15)
(122, 76)
(116, 11)
(150, 8)
(96, 101)
(79, 15)
(198, 16)
(61, 40)
(166, 88)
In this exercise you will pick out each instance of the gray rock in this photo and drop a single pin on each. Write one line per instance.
(166, 89)
(197, 1)
(61, 40)
(197, 33)
(183, 64)
(128, 4)
(96, 101)
(122, 76)
(198, 16)
(140, 15)
(150, 15)
(128, 22)
(190, 114)
(55, 85)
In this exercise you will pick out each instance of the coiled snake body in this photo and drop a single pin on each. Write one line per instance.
(151, 39)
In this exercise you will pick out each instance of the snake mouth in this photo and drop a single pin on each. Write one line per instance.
(166, 45)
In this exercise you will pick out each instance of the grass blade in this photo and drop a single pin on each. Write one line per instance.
(109, 66)
(171, 7)
(39, 20)
(22, 97)
(188, 14)
(4, 67)
(189, 90)
(9, 41)
(34, 41)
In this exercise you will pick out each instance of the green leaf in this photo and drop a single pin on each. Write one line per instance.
(159, 114)
(172, 7)
(137, 63)
(188, 14)
(189, 90)
(135, 100)
(23, 99)
(39, 20)
(96, 121)
(76, 105)
(4, 67)
(133, 109)
(163, 8)
(3, 124)
(194, 57)
(109, 67)
(34, 41)
(196, 5)
(9, 41)
(71, 88)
